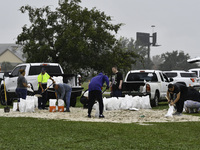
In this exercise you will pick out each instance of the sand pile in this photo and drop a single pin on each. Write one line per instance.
(118, 116)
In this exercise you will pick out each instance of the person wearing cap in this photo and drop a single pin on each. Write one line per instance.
(42, 85)
(63, 91)
(95, 93)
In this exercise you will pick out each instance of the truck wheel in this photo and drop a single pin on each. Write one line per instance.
(73, 102)
(154, 102)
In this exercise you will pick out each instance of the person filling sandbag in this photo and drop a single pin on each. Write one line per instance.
(22, 86)
(181, 93)
(95, 93)
(63, 91)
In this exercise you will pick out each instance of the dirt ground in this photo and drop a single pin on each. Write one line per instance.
(117, 116)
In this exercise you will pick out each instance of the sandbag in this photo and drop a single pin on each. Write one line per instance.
(111, 103)
(22, 105)
(61, 102)
(30, 106)
(52, 102)
(15, 106)
(136, 102)
(97, 110)
(145, 102)
(34, 98)
(170, 111)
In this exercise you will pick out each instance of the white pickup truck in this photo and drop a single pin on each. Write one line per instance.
(146, 82)
(32, 70)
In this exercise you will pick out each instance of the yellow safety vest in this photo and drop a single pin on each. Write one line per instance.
(43, 78)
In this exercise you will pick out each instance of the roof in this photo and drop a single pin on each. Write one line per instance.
(17, 50)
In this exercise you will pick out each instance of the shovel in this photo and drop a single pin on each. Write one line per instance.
(6, 109)
(40, 95)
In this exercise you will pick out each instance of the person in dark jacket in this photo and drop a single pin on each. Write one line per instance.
(117, 80)
(181, 94)
(95, 93)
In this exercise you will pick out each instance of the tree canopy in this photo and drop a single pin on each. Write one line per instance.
(176, 60)
(73, 36)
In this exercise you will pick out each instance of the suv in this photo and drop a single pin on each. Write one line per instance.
(32, 70)
(187, 78)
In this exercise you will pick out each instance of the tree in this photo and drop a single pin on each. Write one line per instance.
(140, 58)
(157, 60)
(6, 66)
(176, 60)
(73, 36)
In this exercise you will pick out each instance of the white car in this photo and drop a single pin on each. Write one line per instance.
(185, 77)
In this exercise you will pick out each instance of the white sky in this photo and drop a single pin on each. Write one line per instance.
(177, 21)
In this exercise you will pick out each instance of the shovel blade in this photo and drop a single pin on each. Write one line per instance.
(6, 109)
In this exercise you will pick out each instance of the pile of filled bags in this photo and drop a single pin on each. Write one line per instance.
(127, 102)
(27, 105)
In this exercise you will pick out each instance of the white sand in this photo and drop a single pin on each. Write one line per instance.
(118, 116)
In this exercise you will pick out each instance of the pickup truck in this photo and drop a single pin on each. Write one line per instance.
(32, 70)
(146, 82)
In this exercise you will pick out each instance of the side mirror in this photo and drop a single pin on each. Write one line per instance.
(171, 79)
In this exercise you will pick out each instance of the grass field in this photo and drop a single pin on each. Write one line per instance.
(29, 133)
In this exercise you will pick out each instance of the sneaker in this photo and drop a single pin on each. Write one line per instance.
(67, 110)
(177, 114)
(89, 116)
(101, 116)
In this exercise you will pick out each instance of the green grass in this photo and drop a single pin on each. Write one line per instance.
(29, 133)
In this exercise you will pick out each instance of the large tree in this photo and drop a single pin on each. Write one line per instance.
(176, 60)
(73, 36)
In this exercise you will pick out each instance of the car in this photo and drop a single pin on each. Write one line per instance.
(185, 77)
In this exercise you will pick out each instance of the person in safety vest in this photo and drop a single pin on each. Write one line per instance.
(42, 85)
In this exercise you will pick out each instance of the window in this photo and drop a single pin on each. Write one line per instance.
(141, 76)
(15, 72)
(161, 76)
(165, 77)
(36, 70)
(171, 74)
(188, 75)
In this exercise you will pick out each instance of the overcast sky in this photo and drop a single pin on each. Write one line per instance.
(177, 22)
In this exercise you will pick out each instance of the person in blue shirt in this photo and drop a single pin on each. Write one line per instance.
(95, 93)
(63, 91)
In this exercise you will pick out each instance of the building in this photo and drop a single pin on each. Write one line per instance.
(10, 56)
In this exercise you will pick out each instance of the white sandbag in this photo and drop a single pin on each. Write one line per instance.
(111, 103)
(129, 102)
(15, 106)
(86, 94)
(170, 111)
(145, 102)
(117, 104)
(52, 102)
(33, 98)
(58, 80)
(105, 103)
(123, 103)
(97, 110)
(30, 106)
(22, 105)
(61, 102)
(136, 102)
